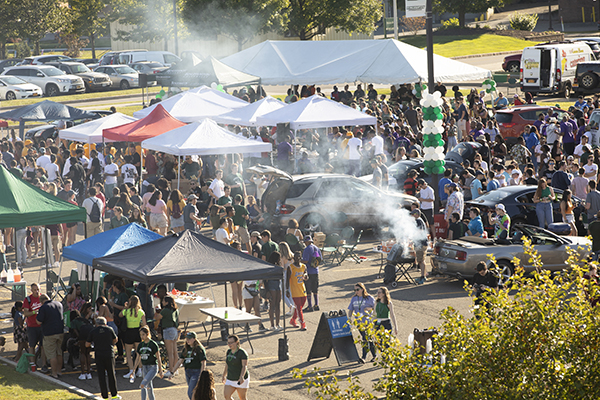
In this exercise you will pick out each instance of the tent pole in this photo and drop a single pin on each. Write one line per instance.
(211, 291)
(47, 258)
(225, 294)
(295, 152)
(178, 171)
(141, 166)
(283, 304)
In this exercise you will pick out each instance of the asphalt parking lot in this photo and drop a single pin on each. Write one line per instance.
(415, 306)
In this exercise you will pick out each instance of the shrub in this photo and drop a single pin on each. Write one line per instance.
(451, 23)
(523, 22)
(23, 50)
(413, 24)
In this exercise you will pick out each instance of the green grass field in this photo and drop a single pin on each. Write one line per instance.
(14, 385)
(454, 46)
(77, 97)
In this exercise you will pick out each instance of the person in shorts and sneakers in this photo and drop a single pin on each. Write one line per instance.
(240, 221)
(312, 257)
(50, 317)
(31, 306)
(420, 245)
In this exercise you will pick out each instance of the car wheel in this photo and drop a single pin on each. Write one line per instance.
(52, 90)
(124, 85)
(504, 272)
(567, 91)
(313, 223)
(588, 80)
(513, 67)
(10, 96)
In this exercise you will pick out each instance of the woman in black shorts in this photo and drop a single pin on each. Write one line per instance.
(136, 318)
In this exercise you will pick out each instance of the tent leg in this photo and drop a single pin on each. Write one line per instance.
(141, 165)
(47, 259)
(295, 152)
(211, 291)
(225, 294)
(283, 307)
(178, 171)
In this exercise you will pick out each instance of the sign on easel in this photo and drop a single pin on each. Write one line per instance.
(334, 333)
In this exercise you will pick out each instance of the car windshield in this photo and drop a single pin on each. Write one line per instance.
(53, 71)
(125, 70)
(79, 69)
(11, 80)
(400, 168)
(154, 65)
(460, 149)
(495, 196)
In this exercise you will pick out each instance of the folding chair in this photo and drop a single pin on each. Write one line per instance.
(58, 285)
(293, 241)
(348, 250)
(332, 246)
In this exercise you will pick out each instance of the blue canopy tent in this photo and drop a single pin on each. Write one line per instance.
(106, 243)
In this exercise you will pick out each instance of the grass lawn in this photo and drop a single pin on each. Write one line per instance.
(75, 97)
(454, 46)
(14, 385)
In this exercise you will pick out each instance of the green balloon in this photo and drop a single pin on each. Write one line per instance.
(441, 143)
(428, 170)
(220, 88)
(440, 170)
(437, 137)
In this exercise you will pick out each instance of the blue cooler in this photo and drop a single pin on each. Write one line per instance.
(560, 228)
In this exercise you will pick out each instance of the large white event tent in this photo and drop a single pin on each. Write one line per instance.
(221, 98)
(316, 112)
(91, 132)
(187, 107)
(247, 116)
(337, 61)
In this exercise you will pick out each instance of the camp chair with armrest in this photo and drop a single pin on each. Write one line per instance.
(331, 246)
(349, 250)
(58, 285)
(293, 242)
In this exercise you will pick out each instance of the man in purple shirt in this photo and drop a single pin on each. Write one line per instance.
(312, 258)
(284, 150)
(568, 138)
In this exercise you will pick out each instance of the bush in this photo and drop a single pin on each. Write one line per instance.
(451, 23)
(414, 24)
(537, 338)
(22, 49)
(523, 22)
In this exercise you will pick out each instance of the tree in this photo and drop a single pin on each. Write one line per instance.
(40, 17)
(149, 21)
(11, 10)
(461, 7)
(240, 20)
(89, 18)
(537, 338)
(308, 18)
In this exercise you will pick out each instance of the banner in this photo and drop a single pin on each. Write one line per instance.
(415, 8)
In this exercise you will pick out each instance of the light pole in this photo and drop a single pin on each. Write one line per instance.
(175, 27)
(550, 15)
(395, 14)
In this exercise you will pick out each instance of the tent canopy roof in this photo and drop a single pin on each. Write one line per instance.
(203, 138)
(154, 123)
(46, 111)
(91, 132)
(186, 257)
(212, 70)
(22, 204)
(337, 61)
(218, 97)
(186, 107)
(109, 242)
(316, 112)
(247, 116)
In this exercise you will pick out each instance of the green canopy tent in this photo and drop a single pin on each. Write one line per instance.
(22, 204)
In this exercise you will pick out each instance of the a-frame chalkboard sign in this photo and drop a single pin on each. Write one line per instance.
(334, 333)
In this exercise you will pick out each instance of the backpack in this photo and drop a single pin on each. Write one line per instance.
(176, 211)
(95, 214)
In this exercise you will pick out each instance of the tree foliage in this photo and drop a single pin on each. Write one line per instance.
(461, 7)
(538, 338)
(413, 24)
(11, 11)
(240, 20)
(38, 17)
(89, 18)
(308, 18)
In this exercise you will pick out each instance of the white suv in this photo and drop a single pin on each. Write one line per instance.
(52, 80)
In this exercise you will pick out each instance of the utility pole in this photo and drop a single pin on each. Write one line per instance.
(395, 14)
(549, 15)
(175, 27)
(430, 85)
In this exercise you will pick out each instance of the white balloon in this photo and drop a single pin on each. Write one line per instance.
(213, 85)
(439, 149)
(428, 150)
(438, 123)
(422, 102)
(437, 95)
(414, 91)
(428, 156)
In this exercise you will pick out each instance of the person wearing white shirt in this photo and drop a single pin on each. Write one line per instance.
(111, 170)
(377, 143)
(354, 154)
(129, 171)
(217, 187)
(591, 169)
(52, 169)
(579, 148)
(44, 159)
(427, 199)
(66, 167)
(552, 131)
(221, 234)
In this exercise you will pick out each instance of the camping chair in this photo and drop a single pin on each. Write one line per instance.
(332, 246)
(293, 242)
(58, 285)
(348, 250)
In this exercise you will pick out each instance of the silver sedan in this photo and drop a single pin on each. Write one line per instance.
(459, 257)
(121, 76)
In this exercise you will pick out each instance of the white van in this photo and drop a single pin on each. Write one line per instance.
(164, 57)
(550, 68)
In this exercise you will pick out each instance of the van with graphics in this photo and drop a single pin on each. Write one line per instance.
(550, 67)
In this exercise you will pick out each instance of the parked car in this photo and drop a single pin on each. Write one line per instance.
(512, 63)
(92, 80)
(41, 60)
(594, 45)
(587, 77)
(9, 62)
(121, 76)
(132, 56)
(150, 68)
(12, 88)
(50, 130)
(458, 258)
(323, 202)
(52, 80)
(518, 201)
(512, 121)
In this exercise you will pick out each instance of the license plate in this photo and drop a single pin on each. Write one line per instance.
(443, 266)
(78, 86)
(106, 84)
(531, 80)
(35, 94)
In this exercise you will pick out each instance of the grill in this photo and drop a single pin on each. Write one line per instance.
(101, 79)
(75, 81)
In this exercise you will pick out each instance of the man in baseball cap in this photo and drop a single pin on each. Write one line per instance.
(190, 214)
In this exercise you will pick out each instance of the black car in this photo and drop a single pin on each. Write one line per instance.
(518, 201)
(587, 77)
(10, 62)
(463, 151)
(49, 131)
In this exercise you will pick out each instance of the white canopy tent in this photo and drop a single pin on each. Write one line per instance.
(91, 132)
(187, 107)
(316, 112)
(247, 116)
(338, 61)
(218, 97)
(203, 138)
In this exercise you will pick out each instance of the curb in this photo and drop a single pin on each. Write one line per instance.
(70, 388)
(499, 53)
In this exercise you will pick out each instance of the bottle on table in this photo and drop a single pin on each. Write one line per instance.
(3, 275)
(10, 275)
(17, 276)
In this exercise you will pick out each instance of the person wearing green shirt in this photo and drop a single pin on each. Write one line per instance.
(235, 375)
(268, 246)
(149, 357)
(169, 320)
(235, 181)
(384, 311)
(135, 318)
(240, 220)
(193, 358)
(119, 219)
(226, 198)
